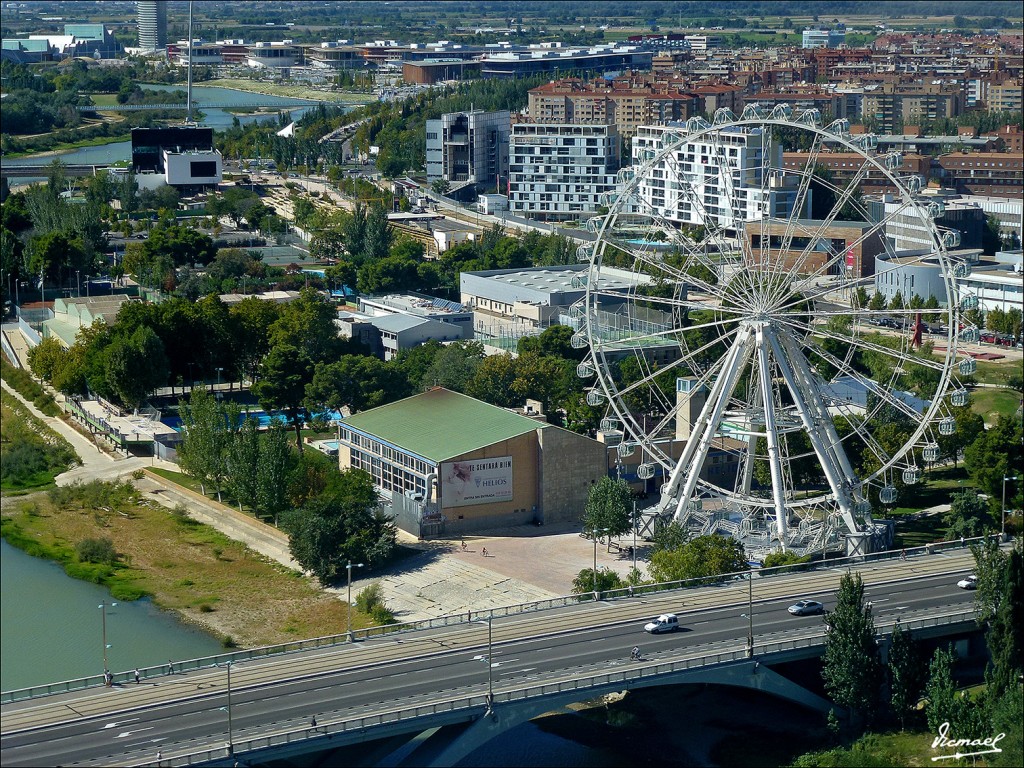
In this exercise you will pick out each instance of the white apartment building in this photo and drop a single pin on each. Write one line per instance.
(721, 179)
(560, 170)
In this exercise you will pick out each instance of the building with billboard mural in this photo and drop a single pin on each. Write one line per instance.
(453, 464)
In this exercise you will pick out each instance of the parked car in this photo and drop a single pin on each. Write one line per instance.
(806, 608)
(970, 582)
(667, 622)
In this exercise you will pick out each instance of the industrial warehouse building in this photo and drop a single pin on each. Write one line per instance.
(454, 465)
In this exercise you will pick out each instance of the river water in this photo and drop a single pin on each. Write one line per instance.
(51, 627)
(218, 119)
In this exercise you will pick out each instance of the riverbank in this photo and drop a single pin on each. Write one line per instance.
(289, 91)
(206, 578)
(71, 146)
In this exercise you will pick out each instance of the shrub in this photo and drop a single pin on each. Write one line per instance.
(382, 615)
(206, 608)
(96, 551)
(370, 597)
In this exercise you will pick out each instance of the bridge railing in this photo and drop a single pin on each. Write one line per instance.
(296, 646)
(472, 704)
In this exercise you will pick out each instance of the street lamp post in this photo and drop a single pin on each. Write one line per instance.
(490, 666)
(231, 732)
(634, 536)
(218, 381)
(750, 612)
(78, 282)
(349, 567)
(1002, 524)
(103, 609)
(596, 532)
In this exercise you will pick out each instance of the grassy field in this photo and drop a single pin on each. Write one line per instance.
(291, 91)
(916, 532)
(997, 372)
(192, 569)
(990, 404)
(104, 99)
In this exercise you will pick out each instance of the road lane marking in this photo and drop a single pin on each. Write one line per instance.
(123, 722)
(137, 730)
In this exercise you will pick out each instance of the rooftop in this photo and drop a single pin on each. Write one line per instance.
(424, 424)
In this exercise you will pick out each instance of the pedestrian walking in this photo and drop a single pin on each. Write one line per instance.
(170, 667)
(484, 551)
(108, 679)
(138, 677)
(903, 554)
(312, 722)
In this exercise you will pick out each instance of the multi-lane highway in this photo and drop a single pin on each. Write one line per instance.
(182, 714)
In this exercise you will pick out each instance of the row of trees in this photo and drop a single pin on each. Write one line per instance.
(858, 681)
(331, 517)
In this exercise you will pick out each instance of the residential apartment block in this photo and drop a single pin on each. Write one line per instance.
(998, 174)
(727, 181)
(627, 102)
(560, 170)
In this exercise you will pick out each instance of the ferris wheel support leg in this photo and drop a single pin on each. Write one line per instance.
(687, 469)
(816, 421)
(772, 436)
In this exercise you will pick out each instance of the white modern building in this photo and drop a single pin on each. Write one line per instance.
(823, 38)
(275, 55)
(468, 146)
(560, 170)
(725, 179)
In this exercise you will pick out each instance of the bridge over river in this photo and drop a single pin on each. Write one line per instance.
(436, 692)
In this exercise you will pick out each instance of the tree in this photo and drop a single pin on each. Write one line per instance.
(251, 320)
(671, 537)
(338, 525)
(275, 465)
(609, 508)
(308, 325)
(207, 433)
(242, 462)
(136, 366)
(907, 673)
(282, 384)
(851, 666)
(356, 382)
(454, 366)
(703, 557)
(999, 604)
(877, 303)
(584, 584)
(967, 514)
(440, 187)
(995, 453)
(944, 705)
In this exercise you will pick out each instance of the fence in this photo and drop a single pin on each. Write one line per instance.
(492, 613)
(588, 684)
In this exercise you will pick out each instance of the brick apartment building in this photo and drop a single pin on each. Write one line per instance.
(996, 174)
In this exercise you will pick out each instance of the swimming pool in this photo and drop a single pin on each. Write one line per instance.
(262, 418)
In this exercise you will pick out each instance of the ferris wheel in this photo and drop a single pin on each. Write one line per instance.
(731, 337)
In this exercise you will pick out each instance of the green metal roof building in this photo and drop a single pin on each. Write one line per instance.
(455, 464)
